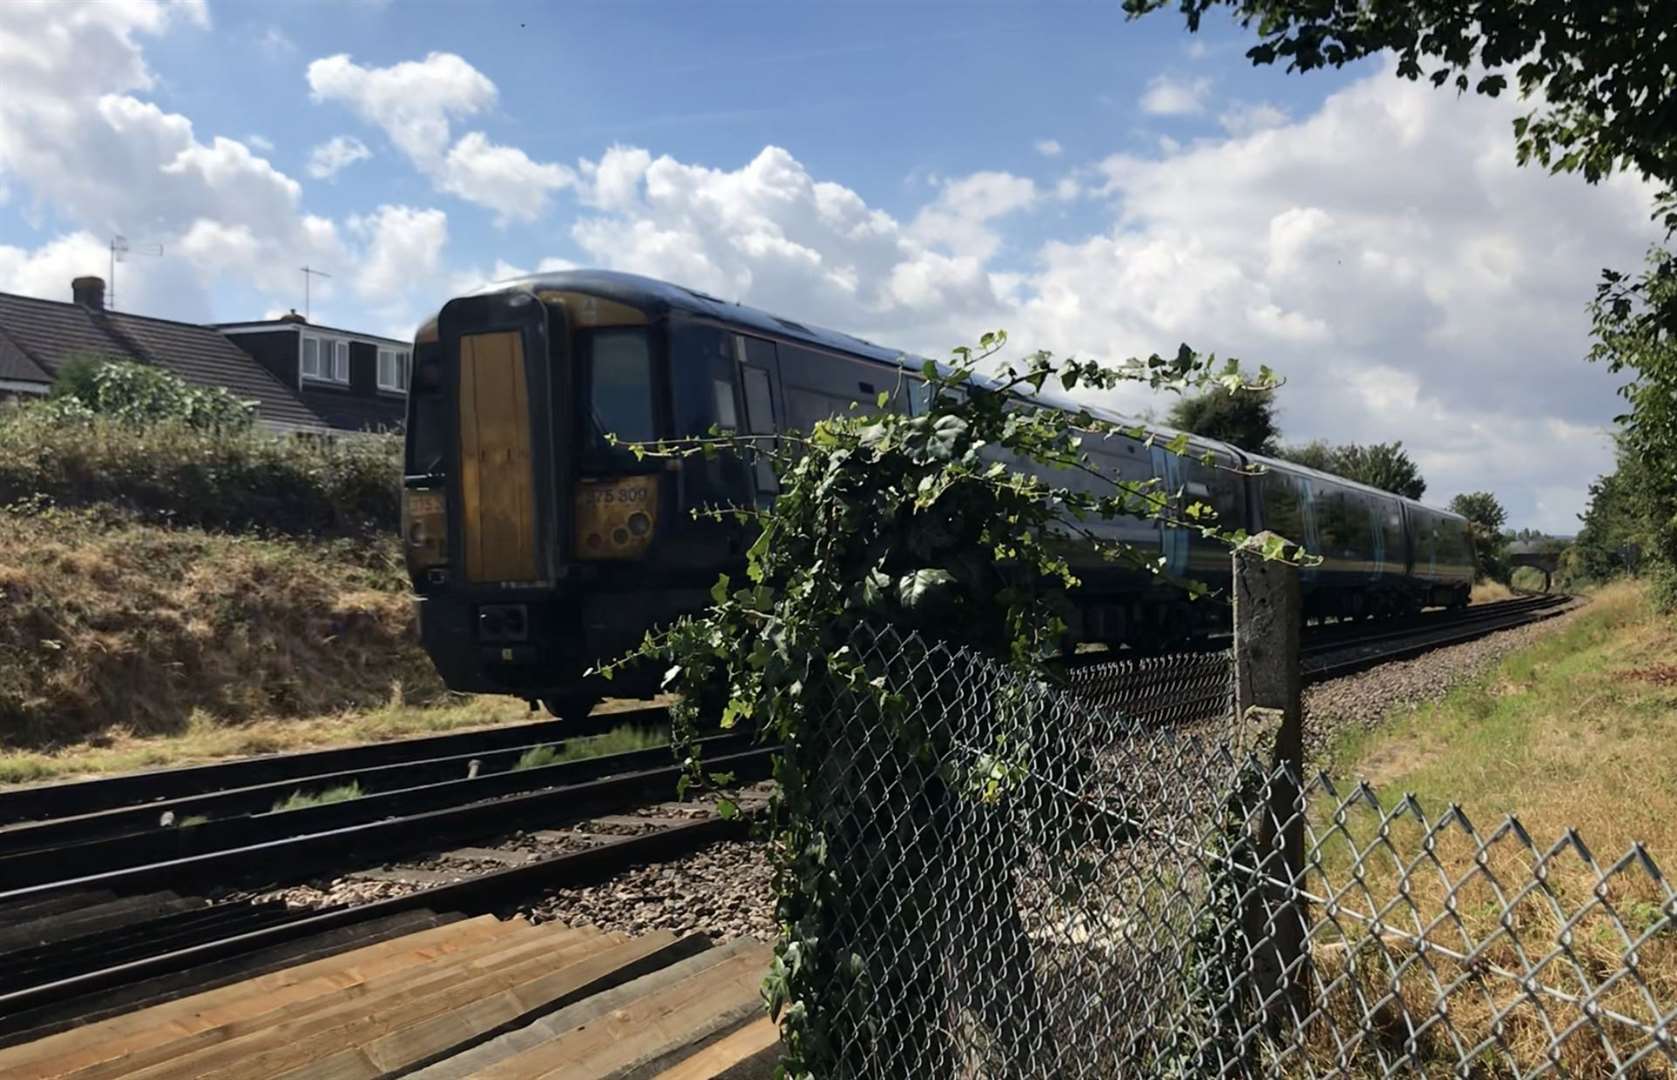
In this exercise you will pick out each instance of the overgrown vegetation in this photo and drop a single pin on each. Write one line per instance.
(112, 625)
(166, 561)
(137, 438)
(925, 522)
(619, 740)
(302, 800)
(1571, 733)
(138, 395)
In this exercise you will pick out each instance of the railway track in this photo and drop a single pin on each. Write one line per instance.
(166, 882)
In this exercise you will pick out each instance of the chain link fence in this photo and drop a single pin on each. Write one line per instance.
(1087, 880)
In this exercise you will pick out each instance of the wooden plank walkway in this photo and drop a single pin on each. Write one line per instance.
(478, 997)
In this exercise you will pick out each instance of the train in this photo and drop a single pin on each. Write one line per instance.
(537, 546)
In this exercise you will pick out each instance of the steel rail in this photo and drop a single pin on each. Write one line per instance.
(84, 796)
(300, 855)
(257, 798)
(79, 858)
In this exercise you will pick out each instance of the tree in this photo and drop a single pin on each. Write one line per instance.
(1485, 518)
(1245, 418)
(1382, 465)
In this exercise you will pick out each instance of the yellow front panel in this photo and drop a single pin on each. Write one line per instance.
(497, 484)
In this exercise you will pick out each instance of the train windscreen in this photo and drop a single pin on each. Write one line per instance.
(619, 382)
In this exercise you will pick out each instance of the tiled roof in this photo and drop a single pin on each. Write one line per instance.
(204, 356)
(50, 332)
(354, 412)
(15, 365)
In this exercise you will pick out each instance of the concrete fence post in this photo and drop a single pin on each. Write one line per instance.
(1268, 616)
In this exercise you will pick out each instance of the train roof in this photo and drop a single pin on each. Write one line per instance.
(658, 297)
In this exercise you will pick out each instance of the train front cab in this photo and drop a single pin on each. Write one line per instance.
(538, 548)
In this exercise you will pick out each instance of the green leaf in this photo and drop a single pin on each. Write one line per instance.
(916, 589)
(726, 810)
(883, 399)
(719, 591)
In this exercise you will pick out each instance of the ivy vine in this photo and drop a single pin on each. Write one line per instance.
(929, 522)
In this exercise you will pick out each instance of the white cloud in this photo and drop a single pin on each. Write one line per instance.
(1169, 96)
(1245, 117)
(413, 102)
(959, 219)
(336, 154)
(416, 103)
(502, 178)
(77, 137)
(1384, 253)
(260, 142)
(1049, 147)
(276, 42)
(402, 244)
(771, 233)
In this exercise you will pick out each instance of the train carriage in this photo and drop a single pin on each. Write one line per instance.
(538, 547)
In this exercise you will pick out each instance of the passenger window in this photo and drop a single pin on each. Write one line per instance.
(759, 408)
(620, 386)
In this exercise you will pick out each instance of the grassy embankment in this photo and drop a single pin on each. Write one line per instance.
(169, 595)
(1574, 732)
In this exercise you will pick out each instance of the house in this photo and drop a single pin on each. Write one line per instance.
(354, 381)
(344, 381)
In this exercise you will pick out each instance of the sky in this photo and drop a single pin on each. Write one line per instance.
(914, 172)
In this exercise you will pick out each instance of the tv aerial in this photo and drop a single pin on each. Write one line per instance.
(120, 249)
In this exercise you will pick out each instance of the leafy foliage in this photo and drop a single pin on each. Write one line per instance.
(929, 522)
(1485, 517)
(1635, 329)
(1244, 418)
(1386, 466)
(90, 386)
(172, 472)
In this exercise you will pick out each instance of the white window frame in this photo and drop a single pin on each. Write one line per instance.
(331, 363)
(398, 360)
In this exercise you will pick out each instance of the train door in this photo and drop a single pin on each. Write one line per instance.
(1167, 468)
(760, 390)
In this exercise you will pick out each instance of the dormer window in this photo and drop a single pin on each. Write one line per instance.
(393, 370)
(325, 359)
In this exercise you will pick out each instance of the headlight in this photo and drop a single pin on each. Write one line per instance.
(424, 529)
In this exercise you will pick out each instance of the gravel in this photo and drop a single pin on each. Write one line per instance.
(1364, 700)
(725, 891)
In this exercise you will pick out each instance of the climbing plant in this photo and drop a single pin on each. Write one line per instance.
(956, 521)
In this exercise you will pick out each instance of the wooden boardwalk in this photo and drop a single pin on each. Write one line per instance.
(480, 997)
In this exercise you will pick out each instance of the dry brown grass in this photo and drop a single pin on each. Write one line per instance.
(111, 628)
(1489, 592)
(1565, 738)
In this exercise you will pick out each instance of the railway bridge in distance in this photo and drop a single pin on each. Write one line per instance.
(1544, 558)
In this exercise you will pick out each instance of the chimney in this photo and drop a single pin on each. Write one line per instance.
(89, 292)
(292, 317)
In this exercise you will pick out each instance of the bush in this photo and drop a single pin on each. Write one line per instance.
(141, 394)
(187, 472)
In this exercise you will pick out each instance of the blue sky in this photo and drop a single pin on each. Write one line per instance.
(916, 172)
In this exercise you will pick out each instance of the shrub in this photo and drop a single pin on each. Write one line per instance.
(90, 385)
(179, 471)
